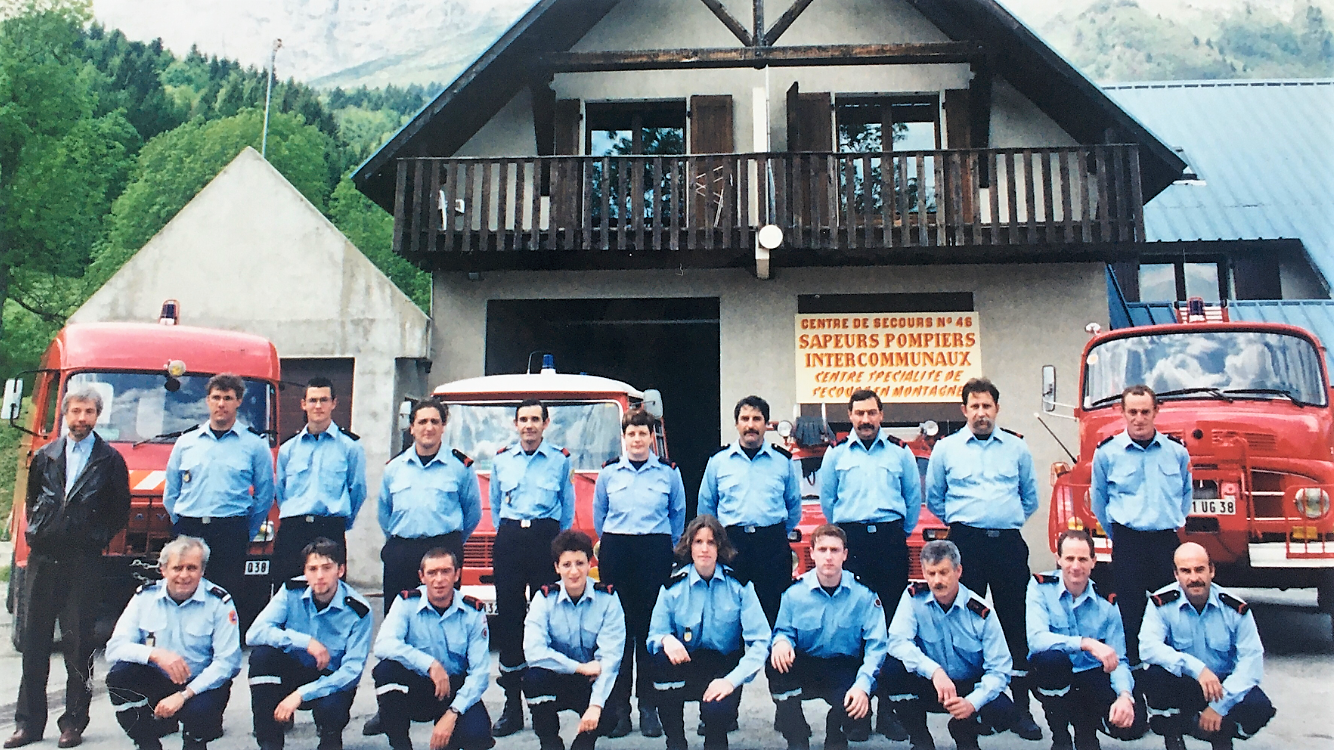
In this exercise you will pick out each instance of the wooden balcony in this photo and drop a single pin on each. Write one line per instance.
(994, 205)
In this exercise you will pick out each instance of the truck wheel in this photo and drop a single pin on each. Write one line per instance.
(18, 598)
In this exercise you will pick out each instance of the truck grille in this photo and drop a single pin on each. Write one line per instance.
(1256, 441)
(1267, 494)
(477, 551)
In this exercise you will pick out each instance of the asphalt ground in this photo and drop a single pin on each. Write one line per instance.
(1299, 678)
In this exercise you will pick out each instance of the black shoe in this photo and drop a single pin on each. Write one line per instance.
(964, 734)
(1026, 728)
(193, 743)
(622, 726)
(1060, 736)
(1086, 737)
(331, 741)
(1174, 742)
(680, 744)
(922, 743)
(372, 726)
(888, 724)
(649, 724)
(400, 743)
(149, 744)
(799, 743)
(550, 743)
(271, 745)
(510, 721)
(1221, 743)
(856, 731)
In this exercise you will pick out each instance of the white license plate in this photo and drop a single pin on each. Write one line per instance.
(256, 567)
(1213, 507)
(490, 608)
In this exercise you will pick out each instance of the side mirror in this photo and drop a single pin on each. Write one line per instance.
(13, 399)
(404, 415)
(1049, 388)
(653, 403)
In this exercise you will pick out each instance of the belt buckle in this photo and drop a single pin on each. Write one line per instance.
(525, 523)
(870, 528)
(310, 519)
(993, 533)
(750, 529)
(206, 520)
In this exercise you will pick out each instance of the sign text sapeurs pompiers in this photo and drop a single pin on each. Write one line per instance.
(904, 357)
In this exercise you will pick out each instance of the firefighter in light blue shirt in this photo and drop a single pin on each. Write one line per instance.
(639, 510)
(532, 500)
(828, 644)
(947, 653)
(435, 661)
(310, 648)
(980, 481)
(708, 636)
(321, 481)
(573, 637)
(1206, 659)
(220, 487)
(174, 652)
(753, 489)
(1141, 492)
(1077, 651)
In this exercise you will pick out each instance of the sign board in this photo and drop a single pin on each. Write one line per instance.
(904, 357)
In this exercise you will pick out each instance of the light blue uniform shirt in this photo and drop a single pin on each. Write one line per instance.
(429, 500)
(559, 633)
(1059, 621)
(851, 622)
(416, 636)
(966, 641)
(526, 488)
(878, 485)
(76, 457)
(202, 630)
(209, 477)
(321, 475)
(986, 484)
(1146, 489)
(741, 491)
(1177, 638)
(291, 620)
(647, 500)
(720, 614)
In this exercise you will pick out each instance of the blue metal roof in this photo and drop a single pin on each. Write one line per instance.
(1264, 155)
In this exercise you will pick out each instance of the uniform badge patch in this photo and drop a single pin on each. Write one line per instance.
(877, 603)
(231, 616)
(185, 475)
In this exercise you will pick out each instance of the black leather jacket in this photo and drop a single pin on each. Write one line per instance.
(95, 511)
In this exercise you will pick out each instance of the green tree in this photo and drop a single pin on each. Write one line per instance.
(176, 165)
(372, 231)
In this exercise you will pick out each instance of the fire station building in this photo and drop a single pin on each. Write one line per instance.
(793, 199)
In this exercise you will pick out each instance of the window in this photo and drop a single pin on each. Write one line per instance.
(862, 120)
(626, 128)
(1180, 280)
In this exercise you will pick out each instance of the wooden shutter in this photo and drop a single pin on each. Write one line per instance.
(566, 189)
(711, 124)
(813, 117)
(711, 176)
(958, 135)
(810, 128)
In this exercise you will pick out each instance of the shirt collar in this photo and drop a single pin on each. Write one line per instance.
(694, 576)
(960, 599)
(198, 596)
(565, 596)
(997, 434)
(339, 597)
(1089, 591)
(856, 442)
(80, 445)
(813, 580)
(206, 430)
(424, 602)
(332, 431)
(1212, 601)
(1128, 444)
(413, 457)
(765, 447)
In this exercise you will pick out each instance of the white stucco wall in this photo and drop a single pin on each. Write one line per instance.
(251, 254)
(1030, 315)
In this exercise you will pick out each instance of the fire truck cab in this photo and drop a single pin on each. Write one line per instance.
(152, 380)
(1251, 402)
(585, 411)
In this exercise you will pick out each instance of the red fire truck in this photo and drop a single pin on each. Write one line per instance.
(1251, 402)
(151, 379)
(585, 412)
(807, 443)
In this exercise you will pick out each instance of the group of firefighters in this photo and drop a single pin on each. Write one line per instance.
(699, 607)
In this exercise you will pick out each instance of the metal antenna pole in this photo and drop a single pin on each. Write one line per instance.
(268, 95)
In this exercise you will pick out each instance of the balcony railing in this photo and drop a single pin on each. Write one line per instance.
(503, 212)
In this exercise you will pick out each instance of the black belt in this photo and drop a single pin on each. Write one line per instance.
(752, 528)
(870, 527)
(211, 519)
(312, 519)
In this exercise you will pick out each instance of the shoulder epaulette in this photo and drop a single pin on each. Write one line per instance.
(678, 575)
(720, 450)
(1175, 439)
(565, 452)
(146, 587)
(605, 588)
(294, 584)
(917, 588)
(253, 431)
(977, 607)
(611, 461)
(191, 429)
(352, 434)
(794, 582)
(220, 592)
(780, 450)
(410, 593)
(1106, 440)
(1046, 578)
(1233, 602)
(837, 441)
(1019, 435)
(475, 603)
(460, 455)
(895, 441)
(1109, 595)
(502, 450)
(1162, 597)
(665, 462)
(550, 589)
(357, 606)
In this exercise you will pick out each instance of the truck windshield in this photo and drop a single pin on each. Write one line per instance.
(137, 406)
(591, 431)
(1223, 365)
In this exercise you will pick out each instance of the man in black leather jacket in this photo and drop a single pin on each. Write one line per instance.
(78, 500)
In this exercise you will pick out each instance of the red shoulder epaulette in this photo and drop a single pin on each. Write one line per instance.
(605, 588)
(565, 452)
(917, 588)
(550, 589)
(467, 462)
(1166, 597)
(502, 450)
(665, 462)
(976, 606)
(1175, 438)
(780, 450)
(895, 441)
(1233, 602)
(475, 603)
(1045, 578)
(1106, 440)
(611, 461)
(1019, 435)
(410, 593)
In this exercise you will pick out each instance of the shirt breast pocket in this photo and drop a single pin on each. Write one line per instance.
(962, 472)
(619, 483)
(199, 635)
(333, 472)
(1123, 479)
(400, 490)
(445, 487)
(1217, 636)
(726, 610)
(1170, 472)
(732, 487)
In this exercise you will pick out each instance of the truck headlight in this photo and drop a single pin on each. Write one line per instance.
(1312, 502)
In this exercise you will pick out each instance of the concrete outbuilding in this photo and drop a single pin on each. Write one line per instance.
(250, 253)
